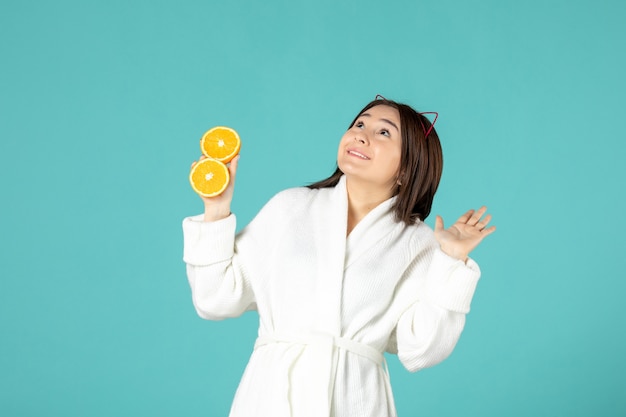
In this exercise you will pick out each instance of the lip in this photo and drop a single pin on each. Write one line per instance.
(357, 153)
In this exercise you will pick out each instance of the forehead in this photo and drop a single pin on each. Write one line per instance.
(383, 112)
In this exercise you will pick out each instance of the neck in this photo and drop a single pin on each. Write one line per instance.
(362, 200)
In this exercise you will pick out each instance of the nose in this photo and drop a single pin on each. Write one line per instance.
(360, 137)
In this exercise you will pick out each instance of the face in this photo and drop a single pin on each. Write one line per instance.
(370, 150)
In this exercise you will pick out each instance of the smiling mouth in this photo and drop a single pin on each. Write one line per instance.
(358, 154)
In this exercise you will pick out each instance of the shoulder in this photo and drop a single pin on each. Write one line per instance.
(420, 237)
(286, 203)
(290, 197)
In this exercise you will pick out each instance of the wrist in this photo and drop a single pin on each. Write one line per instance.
(453, 253)
(213, 214)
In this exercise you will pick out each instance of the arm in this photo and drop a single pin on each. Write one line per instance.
(428, 331)
(218, 283)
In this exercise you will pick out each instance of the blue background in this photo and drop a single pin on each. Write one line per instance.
(102, 105)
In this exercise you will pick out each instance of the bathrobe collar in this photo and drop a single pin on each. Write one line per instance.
(336, 252)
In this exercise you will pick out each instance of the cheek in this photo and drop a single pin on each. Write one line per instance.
(342, 143)
(394, 161)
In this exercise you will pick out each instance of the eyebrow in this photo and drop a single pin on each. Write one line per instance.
(384, 120)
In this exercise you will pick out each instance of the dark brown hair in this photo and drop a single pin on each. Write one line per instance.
(421, 164)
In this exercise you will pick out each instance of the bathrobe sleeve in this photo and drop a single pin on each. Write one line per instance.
(223, 268)
(219, 287)
(428, 331)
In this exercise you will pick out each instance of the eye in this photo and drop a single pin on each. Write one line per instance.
(385, 132)
(359, 124)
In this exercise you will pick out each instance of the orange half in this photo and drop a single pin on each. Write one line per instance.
(221, 143)
(209, 177)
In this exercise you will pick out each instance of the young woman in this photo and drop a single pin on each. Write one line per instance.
(340, 272)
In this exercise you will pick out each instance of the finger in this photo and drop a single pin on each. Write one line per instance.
(195, 162)
(488, 231)
(477, 215)
(232, 167)
(465, 217)
(484, 222)
(438, 223)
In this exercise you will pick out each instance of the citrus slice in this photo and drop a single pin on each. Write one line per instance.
(221, 143)
(209, 177)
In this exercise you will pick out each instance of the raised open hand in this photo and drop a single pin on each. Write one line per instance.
(463, 236)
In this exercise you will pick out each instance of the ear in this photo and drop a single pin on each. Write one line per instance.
(398, 178)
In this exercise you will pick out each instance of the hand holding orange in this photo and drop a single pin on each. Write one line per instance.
(210, 176)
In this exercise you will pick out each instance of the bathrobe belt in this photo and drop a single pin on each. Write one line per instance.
(323, 366)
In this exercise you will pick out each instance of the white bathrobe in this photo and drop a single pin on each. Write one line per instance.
(329, 305)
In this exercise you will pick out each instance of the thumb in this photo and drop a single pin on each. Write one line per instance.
(232, 167)
(438, 223)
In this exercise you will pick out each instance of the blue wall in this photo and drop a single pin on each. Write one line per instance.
(102, 105)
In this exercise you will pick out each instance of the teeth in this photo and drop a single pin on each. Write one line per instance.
(360, 155)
